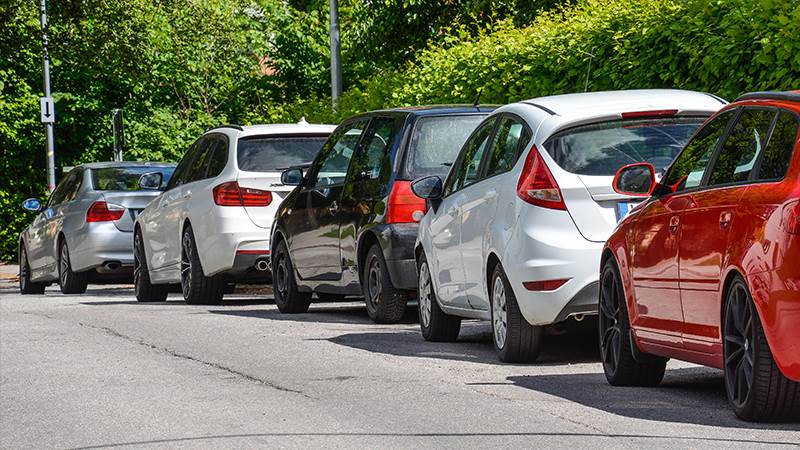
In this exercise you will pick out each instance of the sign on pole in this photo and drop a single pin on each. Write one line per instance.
(48, 111)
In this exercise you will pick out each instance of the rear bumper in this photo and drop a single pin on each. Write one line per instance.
(397, 242)
(98, 243)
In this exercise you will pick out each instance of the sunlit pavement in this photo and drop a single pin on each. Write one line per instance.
(101, 370)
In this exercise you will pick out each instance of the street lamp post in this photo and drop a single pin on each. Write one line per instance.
(336, 64)
(48, 115)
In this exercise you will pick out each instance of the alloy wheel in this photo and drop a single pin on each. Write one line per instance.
(23, 269)
(739, 345)
(374, 282)
(610, 330)
(186, 265)
(425, 300)
(499, 313)
(282, 275)
(137, 265)
(64, 264)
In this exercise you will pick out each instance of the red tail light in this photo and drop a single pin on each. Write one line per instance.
(546, 285)
(231, 194)
(104, 212)
(790, 220)
(536, 184)
(404, 206)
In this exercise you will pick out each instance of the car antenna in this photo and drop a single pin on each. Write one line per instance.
(588, 69)
(478, 99)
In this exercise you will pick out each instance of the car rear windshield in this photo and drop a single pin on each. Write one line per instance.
(435, 143)
(601, 149)
(126, 178)
(273, 154)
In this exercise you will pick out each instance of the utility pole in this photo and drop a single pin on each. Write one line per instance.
(336, 63)
(48, 114)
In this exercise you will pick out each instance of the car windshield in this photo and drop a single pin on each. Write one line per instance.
(602, 149)
(126, 178)
(436, 141)
(273, 154)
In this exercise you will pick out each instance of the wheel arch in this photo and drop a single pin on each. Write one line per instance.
(365, 242)
(491, 262)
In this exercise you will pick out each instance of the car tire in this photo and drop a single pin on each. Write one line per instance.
(623, 364)
(325, 297)
(435, 324)
(197, 288)
(71, 282)
(385, 304)
(756, 388)
(515, 340)
(26, 286)
(145, 290)
(287, 297)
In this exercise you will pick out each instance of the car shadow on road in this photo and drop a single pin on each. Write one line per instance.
(474, 345)
(693, 395)
(351, 313)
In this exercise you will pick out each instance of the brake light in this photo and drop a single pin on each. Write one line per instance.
(650, 114)
(537, 186)
(546, 285)
(404, 206)
(790, 219)
(231, 194)
(104, 212)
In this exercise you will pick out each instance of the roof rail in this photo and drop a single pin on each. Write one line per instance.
(547, 110)
(790, 96)
(230, 125)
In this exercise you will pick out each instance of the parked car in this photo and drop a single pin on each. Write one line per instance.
(704, 270)
(514, 234)
(85, 230)
(211, 226)
(349, 227)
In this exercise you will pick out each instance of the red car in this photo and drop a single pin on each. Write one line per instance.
(707, 268)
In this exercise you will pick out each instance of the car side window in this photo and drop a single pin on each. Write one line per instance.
(334, 158)
(218, 156)
(778, 153)
(742, 148)
(507, 145)
(183, 171)
(74, 185)
(372, 158)
(200, 163)
(689, 167)
(465, 172)
(62, 190)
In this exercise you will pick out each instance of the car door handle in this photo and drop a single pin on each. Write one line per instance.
(333, 208)
(725, 220)
(674, 223)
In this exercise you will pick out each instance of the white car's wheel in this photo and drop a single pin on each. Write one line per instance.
(515, 340)
(434, 323)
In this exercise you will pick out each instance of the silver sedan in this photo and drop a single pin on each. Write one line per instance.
(85, 230)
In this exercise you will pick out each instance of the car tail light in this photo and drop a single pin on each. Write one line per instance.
(231, 194)
(790, 220)
(404, 206)
(650, 114)
(104, 212)
(546, 285)
(536, 184)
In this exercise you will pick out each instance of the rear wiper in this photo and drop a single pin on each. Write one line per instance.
(448, 164)
(304, 165)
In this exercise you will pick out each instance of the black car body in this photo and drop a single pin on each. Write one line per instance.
(350, 226)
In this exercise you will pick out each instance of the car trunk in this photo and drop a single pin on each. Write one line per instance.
(594, 206)
(263, 216)
(133, 201)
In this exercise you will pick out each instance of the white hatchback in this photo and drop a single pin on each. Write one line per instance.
(211, 227)
(514, 234)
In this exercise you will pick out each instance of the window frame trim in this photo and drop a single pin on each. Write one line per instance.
(460, 158)
(524, 147)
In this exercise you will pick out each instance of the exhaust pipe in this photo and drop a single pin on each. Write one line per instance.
(579, 317)
(111, 266)
(262, 265)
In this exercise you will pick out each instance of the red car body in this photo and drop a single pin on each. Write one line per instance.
(677, 252)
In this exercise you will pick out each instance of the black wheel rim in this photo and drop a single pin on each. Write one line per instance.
(282, 275)
(137, 265)
(63, 265)
(374, 282)
(610, 319)
(738, 346)
(186, 265)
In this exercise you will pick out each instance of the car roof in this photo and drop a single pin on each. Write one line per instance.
(115, 164)
(556, 112)
(434, 110)
(300, 128)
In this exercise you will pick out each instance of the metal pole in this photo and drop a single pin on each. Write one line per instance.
(336, 64)
(51, 160)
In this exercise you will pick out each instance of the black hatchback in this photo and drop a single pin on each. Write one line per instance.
(350, 226)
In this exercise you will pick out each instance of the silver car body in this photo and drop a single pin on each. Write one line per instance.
(105, 246)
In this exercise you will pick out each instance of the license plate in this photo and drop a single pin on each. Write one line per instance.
(623, 208)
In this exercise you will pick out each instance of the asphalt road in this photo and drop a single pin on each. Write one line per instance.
(101, 370)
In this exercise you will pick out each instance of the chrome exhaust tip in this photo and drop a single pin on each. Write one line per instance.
(262, 265)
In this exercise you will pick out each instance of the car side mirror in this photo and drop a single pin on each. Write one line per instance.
(636, 179)
(151, 181)
(32, 205)
(430, 188)
(292, 177)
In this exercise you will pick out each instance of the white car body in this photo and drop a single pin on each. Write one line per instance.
(229, 239)
(487, 221)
